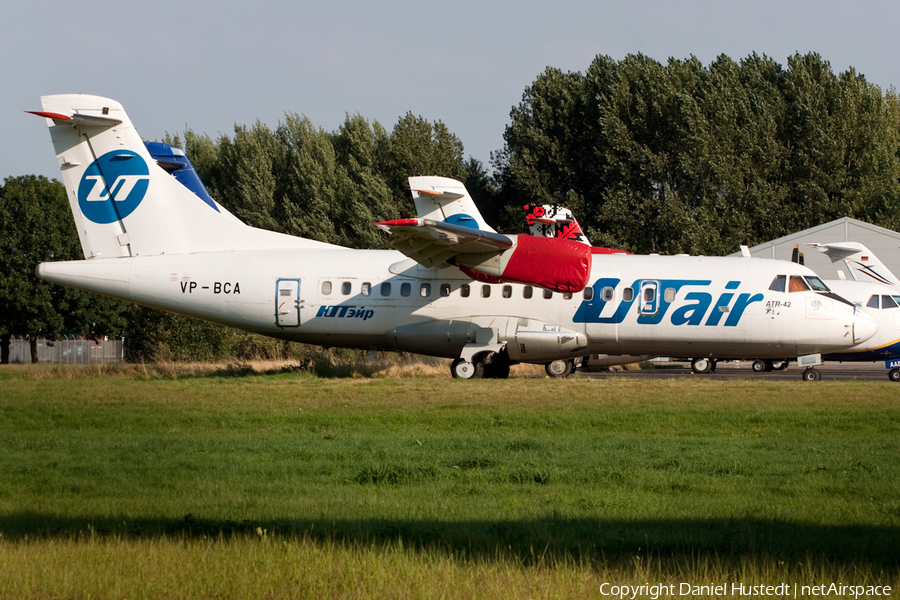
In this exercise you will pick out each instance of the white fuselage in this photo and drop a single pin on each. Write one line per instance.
(339, 297)
(882, 303)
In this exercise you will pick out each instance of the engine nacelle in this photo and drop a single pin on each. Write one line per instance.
(555, 264)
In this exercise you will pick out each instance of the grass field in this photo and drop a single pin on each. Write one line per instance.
(238, 485)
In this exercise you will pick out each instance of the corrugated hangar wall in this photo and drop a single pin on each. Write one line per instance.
(883, 243)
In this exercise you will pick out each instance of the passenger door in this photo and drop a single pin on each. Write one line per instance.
(287, 303)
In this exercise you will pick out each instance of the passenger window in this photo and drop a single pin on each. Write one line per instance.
(405, 289)
(464, 290)
(485, 291)
(778, 284)
(567, 295)
(326, 288)
(588, 293)
(888, 302)
(873, 302)
(366, 289)
(386, 289)
(670, 295)
(527, 292)
(345, 288)
(797, 284)
(548, 294)
(425, 290)
(649, 294)
(445, 290)
(608, 294)
(507, 291)
(628, 294)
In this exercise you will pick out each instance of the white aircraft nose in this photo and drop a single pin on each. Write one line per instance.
(864, 327)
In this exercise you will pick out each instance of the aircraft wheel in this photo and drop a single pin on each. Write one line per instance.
(560, 368)
(701, 365)
(760, 366)
(894, 375)
(811, 374)
(462, 369)
(497, 369)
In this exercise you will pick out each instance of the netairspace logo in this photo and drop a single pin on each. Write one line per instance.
(782, 590)
(113, 186)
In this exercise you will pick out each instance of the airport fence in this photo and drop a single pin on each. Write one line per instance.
(67, 350)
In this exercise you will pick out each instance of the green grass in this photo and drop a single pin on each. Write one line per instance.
(519, 486)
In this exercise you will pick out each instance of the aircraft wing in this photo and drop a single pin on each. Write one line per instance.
(556, 264)
(433, 243)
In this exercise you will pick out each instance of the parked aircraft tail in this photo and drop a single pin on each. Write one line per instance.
(123, 202)
(445, 199)
(549, 220)
(859, 261)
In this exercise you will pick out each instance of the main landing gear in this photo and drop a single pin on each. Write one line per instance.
(463, 369)
(494, 365)
(894, 375)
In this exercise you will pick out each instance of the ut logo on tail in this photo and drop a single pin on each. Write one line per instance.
(113, 186)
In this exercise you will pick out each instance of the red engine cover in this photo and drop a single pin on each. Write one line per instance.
(552, 263)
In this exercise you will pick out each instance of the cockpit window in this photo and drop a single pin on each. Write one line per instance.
(873, 302)
(888, 302)
(797, 284)
(778, 283)
(817, 284)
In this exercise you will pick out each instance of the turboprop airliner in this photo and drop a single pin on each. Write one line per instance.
(873, 286)
(880, 300)
(452, 287)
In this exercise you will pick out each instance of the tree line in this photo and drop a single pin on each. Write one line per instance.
(679, 157)
(651, 157)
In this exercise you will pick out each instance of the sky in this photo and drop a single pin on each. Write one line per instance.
(208, 65)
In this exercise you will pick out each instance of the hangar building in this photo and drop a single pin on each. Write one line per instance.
(883, 243)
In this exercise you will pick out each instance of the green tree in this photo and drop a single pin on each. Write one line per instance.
(36, 226)
(686, 158)
(365, 195)
(418, 147)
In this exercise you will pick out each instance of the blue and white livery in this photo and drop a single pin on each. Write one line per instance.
(457, 289)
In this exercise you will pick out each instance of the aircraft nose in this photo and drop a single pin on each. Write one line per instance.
(864, 326)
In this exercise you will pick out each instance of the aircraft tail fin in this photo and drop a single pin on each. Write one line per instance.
(554, 221)
(860, 262)
(445, 199)
(123, 202)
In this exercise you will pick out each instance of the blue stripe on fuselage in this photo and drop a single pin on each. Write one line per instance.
(887, 352)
